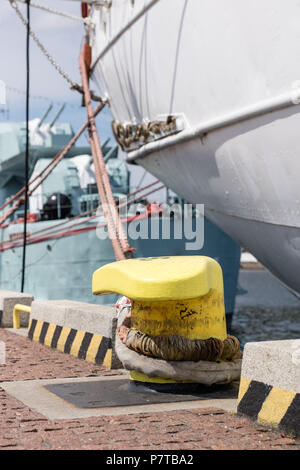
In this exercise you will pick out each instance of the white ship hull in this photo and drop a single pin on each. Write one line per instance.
(231, 74)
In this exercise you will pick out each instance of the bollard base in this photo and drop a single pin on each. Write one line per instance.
(183, 389)
(140, 377)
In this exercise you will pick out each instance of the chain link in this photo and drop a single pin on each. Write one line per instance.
(57, 12)
(74, 85)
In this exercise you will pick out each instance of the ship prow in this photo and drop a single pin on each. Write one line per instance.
(209, 103)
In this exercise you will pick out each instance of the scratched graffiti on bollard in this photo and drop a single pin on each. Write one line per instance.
(2, 353)
(296, 352)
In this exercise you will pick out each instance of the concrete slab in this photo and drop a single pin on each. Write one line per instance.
(8, 299)
(34, 395)
(270, 384)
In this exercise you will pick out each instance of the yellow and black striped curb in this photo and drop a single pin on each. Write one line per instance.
(93, 348)
(270, 406)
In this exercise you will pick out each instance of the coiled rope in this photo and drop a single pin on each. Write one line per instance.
(179, 348)
(53, 232)
(207, 372)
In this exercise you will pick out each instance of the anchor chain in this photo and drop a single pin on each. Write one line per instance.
(74, 86)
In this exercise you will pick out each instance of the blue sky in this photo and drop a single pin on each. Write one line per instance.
(62, 38)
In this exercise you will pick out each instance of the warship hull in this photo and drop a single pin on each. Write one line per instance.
(230, 80)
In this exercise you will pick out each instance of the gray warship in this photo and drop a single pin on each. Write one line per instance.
(64, 244)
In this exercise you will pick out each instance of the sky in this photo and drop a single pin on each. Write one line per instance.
(62, 38)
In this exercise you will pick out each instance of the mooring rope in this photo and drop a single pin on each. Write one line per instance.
(202, 371)
(179, 348)
(27, 147)
(115, 229)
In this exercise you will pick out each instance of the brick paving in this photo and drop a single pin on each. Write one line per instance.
(198, 429)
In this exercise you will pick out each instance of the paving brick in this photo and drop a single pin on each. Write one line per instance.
(197, 429)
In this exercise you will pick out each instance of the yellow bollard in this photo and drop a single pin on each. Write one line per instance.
(18, 308)
(170, 296)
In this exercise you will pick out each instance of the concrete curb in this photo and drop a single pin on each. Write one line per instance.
(8, 300)
(270, 385)
(82, 330)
